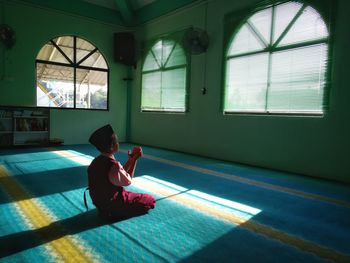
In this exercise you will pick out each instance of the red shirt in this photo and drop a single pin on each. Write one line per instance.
(106, 178)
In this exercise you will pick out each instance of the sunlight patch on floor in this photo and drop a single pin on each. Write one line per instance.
(218, 207)
(221, 208)
(75, 156)
(228, 210)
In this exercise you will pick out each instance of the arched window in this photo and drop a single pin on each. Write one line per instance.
(164, 78)
(71, 73)
(276, 62)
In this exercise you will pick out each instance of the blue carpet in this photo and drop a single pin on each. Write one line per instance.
(207, 211)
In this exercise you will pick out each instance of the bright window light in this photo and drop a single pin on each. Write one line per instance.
(164, 78)
(276, 62)
(71, 73)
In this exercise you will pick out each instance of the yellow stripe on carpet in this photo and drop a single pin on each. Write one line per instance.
(302, 244)
(36, 216)
(74, 156)
(183, 199)
(250, 181)
(86, 160)
(249, 224)
(244, 222)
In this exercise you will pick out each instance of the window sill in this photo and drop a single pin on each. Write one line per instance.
(282, 114)
(164, 111)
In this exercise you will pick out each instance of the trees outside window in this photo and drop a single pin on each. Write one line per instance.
(71, 73)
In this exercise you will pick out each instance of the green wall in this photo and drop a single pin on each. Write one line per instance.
(318, 147)
(314, 146)
(34, 27)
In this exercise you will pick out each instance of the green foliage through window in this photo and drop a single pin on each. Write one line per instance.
(71, 73)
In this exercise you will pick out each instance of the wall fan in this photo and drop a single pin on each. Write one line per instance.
(196, 41)
(7, 35)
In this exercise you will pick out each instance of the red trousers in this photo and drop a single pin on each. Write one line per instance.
(128, 204)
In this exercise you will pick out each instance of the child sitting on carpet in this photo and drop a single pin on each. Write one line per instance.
(107, 177)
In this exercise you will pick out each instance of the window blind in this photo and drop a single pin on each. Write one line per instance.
(164, 78)
(277, 62)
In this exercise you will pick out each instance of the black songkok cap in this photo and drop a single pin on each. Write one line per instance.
(102, 138)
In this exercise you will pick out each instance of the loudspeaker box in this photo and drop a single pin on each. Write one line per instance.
(124, 48)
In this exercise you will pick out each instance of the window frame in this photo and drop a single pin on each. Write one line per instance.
(148, 49)
(74, 65)
(234, 21)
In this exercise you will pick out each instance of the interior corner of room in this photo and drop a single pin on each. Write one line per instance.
(316, 146)
(240, 108)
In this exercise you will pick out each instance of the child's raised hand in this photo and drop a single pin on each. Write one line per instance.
(136, 152)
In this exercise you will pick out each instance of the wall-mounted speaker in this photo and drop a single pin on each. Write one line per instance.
(124, 48)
